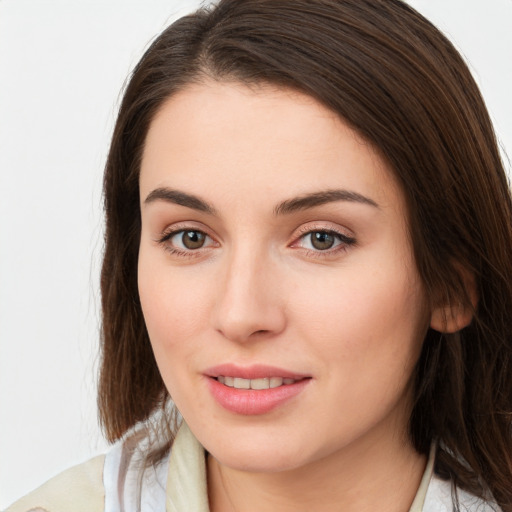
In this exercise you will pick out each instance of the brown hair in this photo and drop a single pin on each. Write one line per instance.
(400, 83)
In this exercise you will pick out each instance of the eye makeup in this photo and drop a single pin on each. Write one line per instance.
(314, 240)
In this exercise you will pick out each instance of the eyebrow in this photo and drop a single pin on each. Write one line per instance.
(319, 198)
(182, 198)
(295, 204)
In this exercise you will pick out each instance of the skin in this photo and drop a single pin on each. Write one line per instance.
(351, 317)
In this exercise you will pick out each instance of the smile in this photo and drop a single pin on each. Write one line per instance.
(258, 384)
(255, 390)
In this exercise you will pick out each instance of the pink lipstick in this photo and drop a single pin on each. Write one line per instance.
(253, 390)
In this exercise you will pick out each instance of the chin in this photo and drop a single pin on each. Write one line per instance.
(267, 453)
(256, 461)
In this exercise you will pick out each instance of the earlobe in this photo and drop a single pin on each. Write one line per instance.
(453, 317)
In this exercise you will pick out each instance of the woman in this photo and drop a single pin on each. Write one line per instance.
(307, 248)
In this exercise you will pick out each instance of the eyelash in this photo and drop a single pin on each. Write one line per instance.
(344, 240)
(175, 251)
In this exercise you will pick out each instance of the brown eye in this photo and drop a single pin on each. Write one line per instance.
(186, 242)
(193, 239)
(322, 240)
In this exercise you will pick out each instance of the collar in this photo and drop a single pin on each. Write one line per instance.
(186, 479)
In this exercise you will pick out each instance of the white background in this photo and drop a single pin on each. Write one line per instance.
(62, 66)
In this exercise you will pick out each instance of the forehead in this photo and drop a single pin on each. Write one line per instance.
(226, 136)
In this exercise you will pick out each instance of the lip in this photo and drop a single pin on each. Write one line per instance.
(255, 371)
(250, 402)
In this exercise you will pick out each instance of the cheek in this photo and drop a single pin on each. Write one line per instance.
(365, 315)
(364, 334)
(174, 311)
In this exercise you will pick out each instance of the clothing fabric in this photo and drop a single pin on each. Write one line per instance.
(114, 483)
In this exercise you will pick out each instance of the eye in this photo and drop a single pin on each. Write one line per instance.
(324, 240)
(189, 239)
(186, 240)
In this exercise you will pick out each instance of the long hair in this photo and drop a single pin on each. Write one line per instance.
(396, 80)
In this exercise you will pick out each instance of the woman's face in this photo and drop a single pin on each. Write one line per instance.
(275, 256)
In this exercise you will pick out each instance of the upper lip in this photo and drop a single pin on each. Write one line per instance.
(255, 371)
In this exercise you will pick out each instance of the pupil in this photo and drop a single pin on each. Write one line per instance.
(193, 239)
(322, 240)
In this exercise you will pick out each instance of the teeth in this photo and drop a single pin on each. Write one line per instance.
(260, 383)
(275, 382)
(264, 383)
(241, 383)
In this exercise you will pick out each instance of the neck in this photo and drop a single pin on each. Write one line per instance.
(366, 476)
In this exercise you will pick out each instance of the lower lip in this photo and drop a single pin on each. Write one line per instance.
(250, 401)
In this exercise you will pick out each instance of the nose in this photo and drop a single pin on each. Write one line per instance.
(250, 302)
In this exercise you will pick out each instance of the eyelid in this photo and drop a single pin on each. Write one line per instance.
(327, 227)
(173, 233)
(172, 229)
(163, 240)
(345, 237)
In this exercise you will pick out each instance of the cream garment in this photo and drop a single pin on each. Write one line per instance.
(178, 484)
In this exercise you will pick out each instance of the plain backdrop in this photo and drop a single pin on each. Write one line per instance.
(62, 67)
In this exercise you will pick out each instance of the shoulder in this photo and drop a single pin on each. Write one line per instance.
(439, 499)
(78, 489)
(130, 482)
(119, 480)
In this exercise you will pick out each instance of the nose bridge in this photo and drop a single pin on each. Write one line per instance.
(248, 302)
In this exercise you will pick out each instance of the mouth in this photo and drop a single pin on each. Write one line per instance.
(254, 390)
(257, 384)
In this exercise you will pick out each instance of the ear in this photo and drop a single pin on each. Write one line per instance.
(452, 317)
